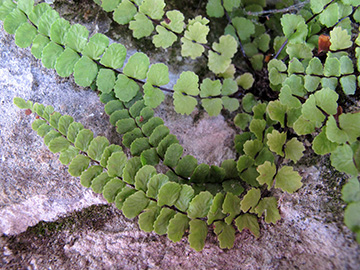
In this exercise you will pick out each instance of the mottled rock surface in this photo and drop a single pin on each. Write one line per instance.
(49, 221)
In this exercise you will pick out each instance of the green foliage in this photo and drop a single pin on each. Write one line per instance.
(190, 196)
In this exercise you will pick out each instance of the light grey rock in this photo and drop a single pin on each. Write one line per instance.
(49, 221)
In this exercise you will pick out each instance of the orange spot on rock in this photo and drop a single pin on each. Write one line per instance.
(324, 43)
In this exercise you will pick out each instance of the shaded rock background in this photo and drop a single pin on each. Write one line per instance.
(48, 220)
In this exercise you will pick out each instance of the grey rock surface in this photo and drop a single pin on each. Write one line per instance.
(49, 221)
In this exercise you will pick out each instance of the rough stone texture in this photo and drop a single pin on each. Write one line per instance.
(48, 220)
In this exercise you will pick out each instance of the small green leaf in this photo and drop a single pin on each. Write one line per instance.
(185, 196)
(212, 106)
(137, 66)
(215, 211)
(116, 164)
(276, 141)
(148, 217)
(13, 20)
(233, 186)
(50, 53)
(322, 145)
(142, 26)
(173, 154)
(218, 63)
(162, 221)
(184, 104)
(315, 67)
(85, 71)
(197, 32)
(267, 172)
(318, 6)
(164, 38)
(214, 8)
(105, 80)
(225, 233)
(188, 83)
(177, 227)
(96, 46)
(295, 66)
(78, 165)
(303, 126)
(176, 19)
(38, 45)
(165, 143)
(186, 166)
(294, 28)
(153, 96)
(294, 150)
(227, 46)
(158, 74)
(230, 104)
(134, 204)
(244, 27)
(250, 222)
(348, 84)
(342, 159)
(21, 103)
(200, 205)
(346, 65)
(231, 206)
(112, 188)
(64, 125)
(58, 31)
(71, 129)
(58, 144)
(25, 35)
(197, 234)
(143, 176)
(287, 179)
(153, 8)
(131, 168)
(83, 139)
(352, 217)
(268, 206)
(168, 194)
(189, 48)
(332, 67)
(351, 190)
(125, 89)
(245, 80)
(125, 12)
(123, 195)
(77, 37)
(90, 174)
(243, 163)
(67, 155)
(300, 51)
(158, 135)
(65, 62)
(25, 5)
(50, 136)
(149, 157)
(46, 20)
(109, 5)
(114, 56)
(252, 148)
(250, 200)
(333, 132)
(242, 120)
(37, 12)
(154, 185)
(330, 15)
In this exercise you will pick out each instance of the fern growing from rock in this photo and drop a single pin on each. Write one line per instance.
(190, 196)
